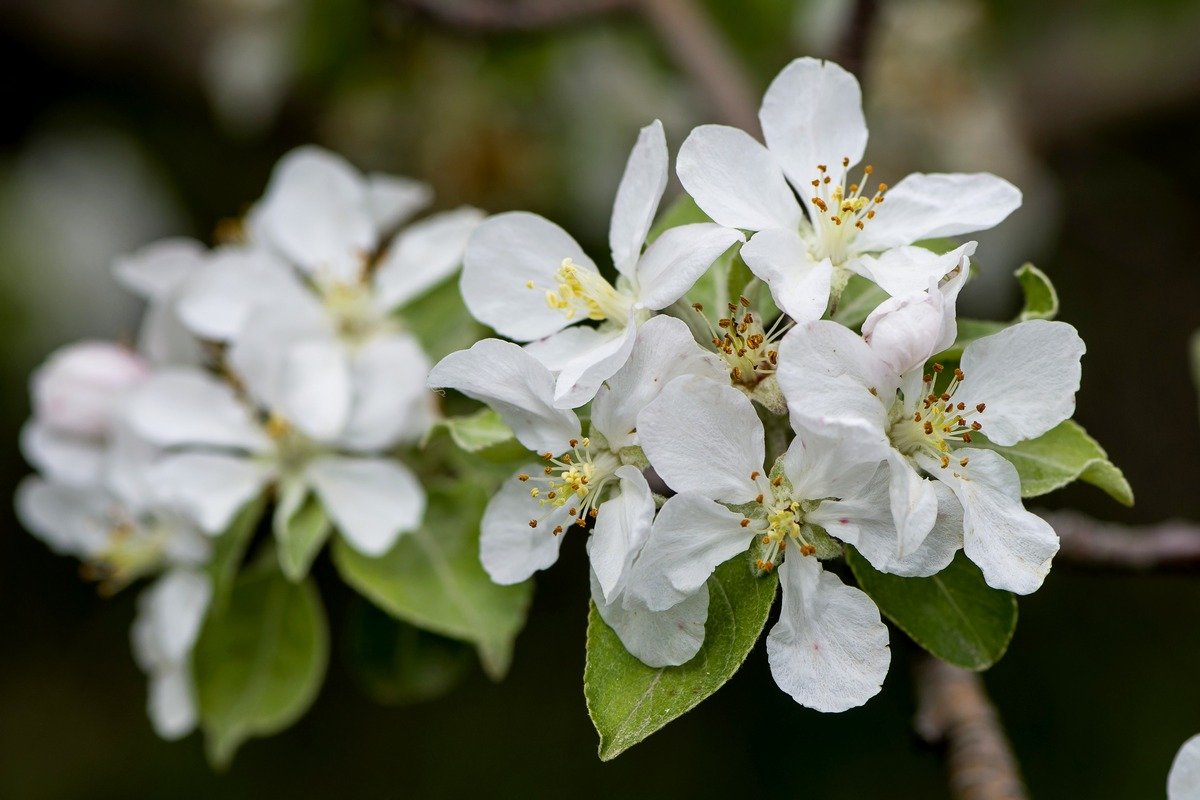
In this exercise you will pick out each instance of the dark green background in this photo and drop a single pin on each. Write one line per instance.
(1099, 687)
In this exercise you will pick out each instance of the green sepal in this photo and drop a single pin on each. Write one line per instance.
(474, 432)
(301, 529)
(229, 549)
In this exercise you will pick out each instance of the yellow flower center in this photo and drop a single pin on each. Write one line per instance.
(939, 424)
(583, 292)
(840, 211)
(574, 480)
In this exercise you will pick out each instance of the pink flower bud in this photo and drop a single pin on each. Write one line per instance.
(77, 389)
(904, 331)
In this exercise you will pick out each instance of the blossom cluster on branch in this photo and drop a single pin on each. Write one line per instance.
(770, 387)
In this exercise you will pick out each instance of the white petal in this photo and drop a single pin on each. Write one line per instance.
(509, 548)
(392, 199)
(930, 206)
(507, 252)
(68, 519)
(171, 705)
(622, 527)
(423, 255)
(676, 260)
(913, 502)
(1027, 376)
(155, 271)
(799, 285)
(77, 389)
(371, 500)
(1183, 781)
(829, 650)
(209, 488)
(188, 407)
(165, 341)
(903, 270)
(830, 377)
(1012, 546)
(516, 386)
(812, 114)
(557, 350)
(656, 638)
(317, 213)
(691, 537)
(638, 196)
(173, 607)
(824, 462)
(315, 388)
(904, 331)
(580, 378)
(216, 302)
(390, 395)
(735, 180)
(260, 354)
(704, 437)
(72, 460)
(664, 350)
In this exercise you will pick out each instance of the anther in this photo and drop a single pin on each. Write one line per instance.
(966, 437)
(961, 407)
(963, 463)
(754, 476)
(975, 425)
(958, 373)
(759, 499)
(807, 550)
(523, 477)
(744, 522)
(938, 368)
(945, 461)
(745, 301)
(981, 407)
(573, 442)
(777, 481)
(533, 523)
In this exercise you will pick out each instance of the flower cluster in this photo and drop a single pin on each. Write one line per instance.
(274, 365)
(772, 432)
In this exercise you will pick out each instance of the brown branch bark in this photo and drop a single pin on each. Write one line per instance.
(1170, 545)
(684, 29)
(953, 710)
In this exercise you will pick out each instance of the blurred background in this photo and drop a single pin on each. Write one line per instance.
(127, 120)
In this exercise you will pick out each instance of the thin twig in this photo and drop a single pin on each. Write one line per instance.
(1173, 544)
(701, 52)
(685, 31)
(953, 709)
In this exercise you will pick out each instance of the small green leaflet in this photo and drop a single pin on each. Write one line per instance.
(628, 701)
(954, 614)
(858, 300)
(1064, 454)
(301, 529)
(260, 659)
(475, 432)
(432, 578)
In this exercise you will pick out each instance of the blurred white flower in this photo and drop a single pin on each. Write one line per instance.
(307, 308)
(219, 455)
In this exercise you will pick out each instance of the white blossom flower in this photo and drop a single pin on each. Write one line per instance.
(1183, 781)
(595, 479)
(219, 454)
(528, 279)
(805, 249)
(164, 632)
(1011, 386)
(829, 650)
(76, 393)
(308, 308)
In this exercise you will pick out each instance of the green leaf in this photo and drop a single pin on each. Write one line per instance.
(477, 431)
(628, 701)
(230, 548)
(954, 615)
(1041, 298)
(1064, 454)
(398, 664)
(301, 528)
(432, 578)
(260, 659)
